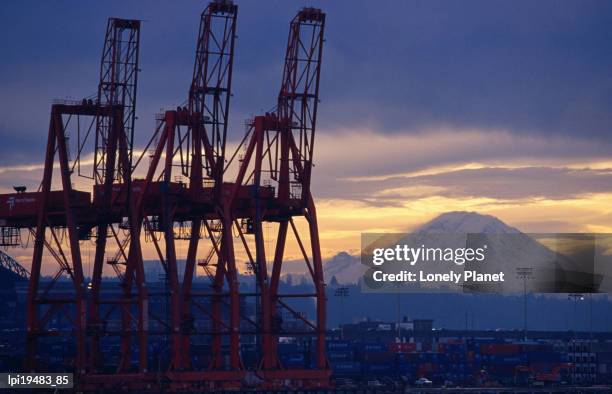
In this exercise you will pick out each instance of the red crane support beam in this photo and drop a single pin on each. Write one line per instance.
(280, 149)
(114, 197)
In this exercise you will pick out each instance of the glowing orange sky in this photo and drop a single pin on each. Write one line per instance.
(369, 182)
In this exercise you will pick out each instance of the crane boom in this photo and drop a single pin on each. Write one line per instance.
(117, 87)
(210, 90)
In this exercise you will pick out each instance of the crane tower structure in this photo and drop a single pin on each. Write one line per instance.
(186, 201)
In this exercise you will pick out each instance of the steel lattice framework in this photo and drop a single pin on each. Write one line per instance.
(114, 201)
(8, 263)
(278, 151)
(190, 153)
(118, 86)
(61, 220)
(184, 197)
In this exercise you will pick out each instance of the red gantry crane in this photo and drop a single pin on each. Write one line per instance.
(276, 167)
(113, 202)
(60, 220)
(182, 192)
(184, 197)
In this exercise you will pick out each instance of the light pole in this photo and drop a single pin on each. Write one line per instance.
(341, 292)
(576, 297)
(399, 316)
(524, 273)
(590, 317)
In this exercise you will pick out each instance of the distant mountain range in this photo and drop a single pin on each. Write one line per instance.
(466, 222)
(347, 269)
(464, 310)
(508, 249)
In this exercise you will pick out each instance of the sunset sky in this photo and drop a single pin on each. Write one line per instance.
(503, 108)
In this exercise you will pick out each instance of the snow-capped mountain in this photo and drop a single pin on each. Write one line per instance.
(344, 267)
(466, 222)
(348, 269)
(508, 249)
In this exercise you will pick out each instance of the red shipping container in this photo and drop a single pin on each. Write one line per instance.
(18, 205)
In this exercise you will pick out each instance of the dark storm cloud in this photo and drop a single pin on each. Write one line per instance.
(502, 184)
(527, 67)
(521, 183)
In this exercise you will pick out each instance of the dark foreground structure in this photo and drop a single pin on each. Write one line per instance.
(108, 329)
(365, 357)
